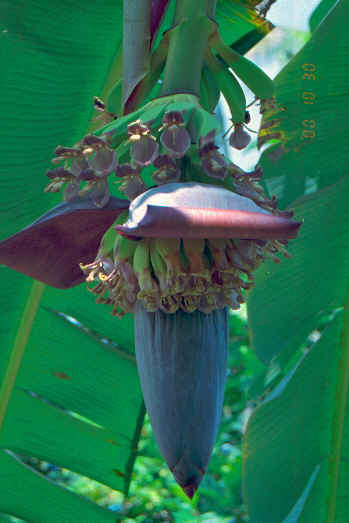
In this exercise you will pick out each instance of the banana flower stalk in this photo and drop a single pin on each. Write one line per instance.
(190, 249)
(182, 351)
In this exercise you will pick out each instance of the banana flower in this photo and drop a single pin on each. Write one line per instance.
(179, 261)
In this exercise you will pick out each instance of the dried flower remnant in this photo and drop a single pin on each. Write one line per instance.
(90, 161)
(213, 162)
(104, 115)
(117, 285)
(144, 147)
(239, 139)
(174, 138)
(167, 170)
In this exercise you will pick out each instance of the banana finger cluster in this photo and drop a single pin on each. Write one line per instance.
(171, 274)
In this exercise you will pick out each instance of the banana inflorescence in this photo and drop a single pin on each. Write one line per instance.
(171, 274)
(170, 139)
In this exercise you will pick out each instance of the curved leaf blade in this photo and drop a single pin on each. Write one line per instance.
(288, 300)
(301, 428)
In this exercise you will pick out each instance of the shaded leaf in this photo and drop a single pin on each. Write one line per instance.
(21, 486)
(298, 429)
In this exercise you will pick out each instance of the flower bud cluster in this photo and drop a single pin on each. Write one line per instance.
(166, 274)
(173, 274)
(94, 159)
(90, 162)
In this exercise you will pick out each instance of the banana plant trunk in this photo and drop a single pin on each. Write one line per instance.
(182, 364)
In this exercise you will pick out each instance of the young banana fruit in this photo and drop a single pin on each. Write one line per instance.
(229, 86)
(209, 90)
(254, 77)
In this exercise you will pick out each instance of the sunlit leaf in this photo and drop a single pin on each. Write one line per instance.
(302, 426)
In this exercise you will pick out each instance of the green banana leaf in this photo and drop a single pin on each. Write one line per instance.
(70, 393)
(311, 117)
(320, 13)
(296, 439)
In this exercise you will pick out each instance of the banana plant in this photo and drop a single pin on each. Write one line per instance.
(163, 227)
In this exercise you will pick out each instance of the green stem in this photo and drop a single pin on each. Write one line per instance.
(188, 39)
(134, 448)
(136, 44)
(19, 346)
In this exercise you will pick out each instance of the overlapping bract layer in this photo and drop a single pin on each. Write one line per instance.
(182, 364)
(199, 265)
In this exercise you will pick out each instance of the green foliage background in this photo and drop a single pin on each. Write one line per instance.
(72, 405)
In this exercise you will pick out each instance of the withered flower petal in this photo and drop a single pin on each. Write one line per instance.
(173, 118)
(215, 165)
(87, 175)
(144, 150)
(239, 139)
(126, 169)
(51, 248)
(167, 170)
(94, 141)
(175, 140)
(104, 161)
(60, 172)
